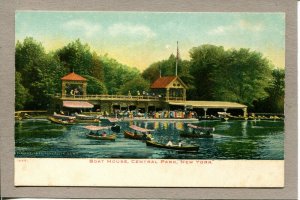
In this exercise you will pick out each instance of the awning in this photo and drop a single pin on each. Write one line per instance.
(209, 104)
(96, 128)
(77, 104)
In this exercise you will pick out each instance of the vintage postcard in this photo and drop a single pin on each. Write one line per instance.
(149, 99)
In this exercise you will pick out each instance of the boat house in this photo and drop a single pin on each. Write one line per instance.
(169, 93)
(169, 88)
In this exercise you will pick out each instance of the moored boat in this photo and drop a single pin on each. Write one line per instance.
(87, 120)
(99, 137)
(63, 117)
(174, 147)
(115, 127)
(85, 117)
(198, 132)
(61, 121)
(94, 133)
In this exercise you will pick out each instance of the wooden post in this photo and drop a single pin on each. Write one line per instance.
(167, 94)
(245, 112)
(63, 89)
(184, 94)
(84, 85)
(205, 109)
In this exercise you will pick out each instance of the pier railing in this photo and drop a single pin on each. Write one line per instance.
(118, 97)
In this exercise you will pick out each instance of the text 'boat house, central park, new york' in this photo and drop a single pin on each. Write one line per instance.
(167, 93)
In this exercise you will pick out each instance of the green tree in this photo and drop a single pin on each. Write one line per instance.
(95, 86)
(152, 72)
(21, 93)
(76, 57)
(116, 74)
(40, 72)
(135, 85)
(97, 70)
(204, 60)
(28, 57)
(167, 68)
(275, 101)
(243, 77)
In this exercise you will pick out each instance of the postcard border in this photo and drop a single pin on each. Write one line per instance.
(7, 42)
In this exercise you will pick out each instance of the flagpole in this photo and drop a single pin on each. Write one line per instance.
(176, 60)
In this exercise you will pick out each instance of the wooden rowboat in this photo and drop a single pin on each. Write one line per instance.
(94, 133)
(174, 147)
(131, 135)
(99, 137)
(60, 121)
(87, 120)
(142, 135)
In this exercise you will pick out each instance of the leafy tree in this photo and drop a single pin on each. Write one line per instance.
(97, 70)
(152, 72)
(167, 68)
(116, 74)
(243, 77)
(275, 101)
(21, 93)
(204, 60)
(40, 72)
(29, 55)
(135, 85)
(233, 75)
(94, 86)
(277, 90)
(76, 57)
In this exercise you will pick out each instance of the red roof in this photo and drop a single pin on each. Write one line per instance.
(163, 82)
(73, 77)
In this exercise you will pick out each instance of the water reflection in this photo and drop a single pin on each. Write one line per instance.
(244, 128)
(232, 140)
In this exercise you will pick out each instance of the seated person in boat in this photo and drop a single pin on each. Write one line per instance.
(144, 137)
(103, 134)
(207, 132)
(135, 133)
(180, 143)
(149, 136)
(91, 133)
(169, 143)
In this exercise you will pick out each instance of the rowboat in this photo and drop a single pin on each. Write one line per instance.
(61, 121)
(98, 137)
(85, 117)
(174, 147)
(63, 117)
(198, 132)
(87, 120)
(144, 134)
(115, 127)
(94, 133)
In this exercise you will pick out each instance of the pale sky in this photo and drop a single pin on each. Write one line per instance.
(138, 39)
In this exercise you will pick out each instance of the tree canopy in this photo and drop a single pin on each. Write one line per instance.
(38, 73)
(243, 77)
(212, 73)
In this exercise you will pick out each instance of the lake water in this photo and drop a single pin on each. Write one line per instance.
(259, 140)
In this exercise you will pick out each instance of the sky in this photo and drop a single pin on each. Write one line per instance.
(138, 39)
